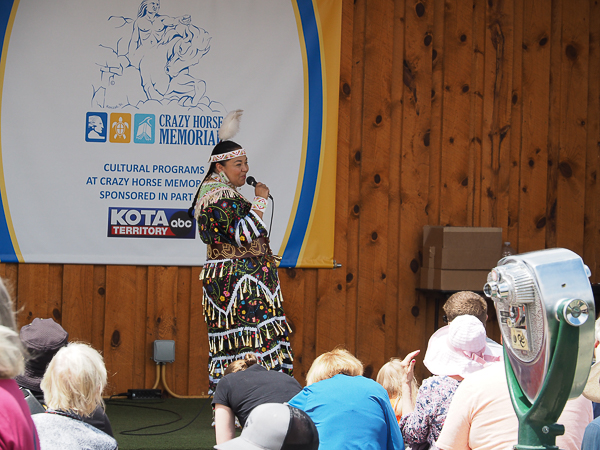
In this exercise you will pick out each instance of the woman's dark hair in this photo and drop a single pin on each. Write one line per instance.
(220, 148)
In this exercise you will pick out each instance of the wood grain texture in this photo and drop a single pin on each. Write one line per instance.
(456, 155)
(390, 277)
(451, 112)
(32, 293)
(163, 308)
(435, 134)
(547, 222)
(591, 244)
(511, 233)
(144, 372)
(120, 325)
(353, 158)
(414, 148)
(78, 287)
(374, 186)
(476, 182)
(535, 163)
(331, 291)
(198, 343)
(496, 133)
(98, 306)
(300, 316)
(573, 125)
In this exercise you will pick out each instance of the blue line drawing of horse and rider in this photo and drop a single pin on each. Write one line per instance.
(152, 59)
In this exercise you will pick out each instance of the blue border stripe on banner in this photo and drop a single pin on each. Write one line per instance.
(315, 132)
(7, 250)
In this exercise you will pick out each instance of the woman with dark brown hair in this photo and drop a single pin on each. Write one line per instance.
(245, 386)
(243, 305)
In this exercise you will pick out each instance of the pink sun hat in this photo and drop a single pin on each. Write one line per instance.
(459, 349)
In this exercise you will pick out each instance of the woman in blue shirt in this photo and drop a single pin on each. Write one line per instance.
(349, 410)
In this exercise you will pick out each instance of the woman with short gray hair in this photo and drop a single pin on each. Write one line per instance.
(73, 385)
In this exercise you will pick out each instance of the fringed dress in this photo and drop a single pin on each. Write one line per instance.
(242, 297)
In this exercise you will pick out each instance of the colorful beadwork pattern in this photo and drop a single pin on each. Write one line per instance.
(242, 297)
(226, 156)
(259, 203)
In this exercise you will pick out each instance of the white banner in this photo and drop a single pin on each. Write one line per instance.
(111, 108)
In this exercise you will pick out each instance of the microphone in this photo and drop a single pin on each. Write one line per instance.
(252, 182)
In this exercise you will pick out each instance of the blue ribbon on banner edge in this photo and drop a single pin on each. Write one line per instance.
(315, 132)
(7, 250)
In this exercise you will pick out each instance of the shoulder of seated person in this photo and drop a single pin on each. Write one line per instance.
(252, 368)
(343, 378)
(255, 368)
(489, 375)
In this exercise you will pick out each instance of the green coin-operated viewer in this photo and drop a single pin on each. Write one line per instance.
(546, 314)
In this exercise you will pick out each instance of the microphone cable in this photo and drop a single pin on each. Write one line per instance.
(252, 182)
(272, 214)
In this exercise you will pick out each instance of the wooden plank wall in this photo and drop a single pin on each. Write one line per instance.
(452, 112)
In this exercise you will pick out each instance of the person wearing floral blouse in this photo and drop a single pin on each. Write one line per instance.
(453, 352)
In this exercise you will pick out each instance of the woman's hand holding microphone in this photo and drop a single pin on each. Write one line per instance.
(261, 190)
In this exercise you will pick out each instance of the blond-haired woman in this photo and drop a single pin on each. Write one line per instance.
(392, 377)
(349, 410)
(73, 385)
(16, 427)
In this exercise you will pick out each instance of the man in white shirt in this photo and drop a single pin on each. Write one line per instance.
(481, 416)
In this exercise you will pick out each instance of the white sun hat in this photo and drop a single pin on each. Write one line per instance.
(459, 349)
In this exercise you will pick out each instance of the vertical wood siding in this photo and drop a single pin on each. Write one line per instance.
(452, 112)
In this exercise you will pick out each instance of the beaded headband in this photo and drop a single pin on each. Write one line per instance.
(228, 155)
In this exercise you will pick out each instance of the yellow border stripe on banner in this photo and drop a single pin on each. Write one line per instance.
(317, 248)
(9, 223)
(304, 132)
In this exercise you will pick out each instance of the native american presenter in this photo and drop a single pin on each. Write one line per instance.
(243, 305)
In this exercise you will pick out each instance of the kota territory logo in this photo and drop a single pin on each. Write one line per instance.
(150, 223)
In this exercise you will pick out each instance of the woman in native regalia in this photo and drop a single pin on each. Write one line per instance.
(242, 296)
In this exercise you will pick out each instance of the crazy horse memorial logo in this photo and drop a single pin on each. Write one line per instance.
(151, 60)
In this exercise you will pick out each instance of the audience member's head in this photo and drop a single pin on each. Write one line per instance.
(275, 426)
(391, 375)
(17, 429)
(11, 349)
(592, 387)
(458, 349)
(244, 386)
(349, 410)
(337, 361)
(466, 303)
(75, 379)
(241, 364)
(42, 338)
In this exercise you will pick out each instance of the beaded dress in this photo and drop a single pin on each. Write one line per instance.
(242, 298)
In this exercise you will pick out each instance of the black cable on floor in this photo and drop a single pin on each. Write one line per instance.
(133, 432)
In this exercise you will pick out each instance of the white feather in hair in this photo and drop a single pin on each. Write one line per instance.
(230, 125)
